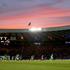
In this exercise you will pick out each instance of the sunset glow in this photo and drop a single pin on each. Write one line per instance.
(35, 29)
(16, 14)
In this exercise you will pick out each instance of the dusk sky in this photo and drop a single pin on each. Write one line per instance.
(16, 14)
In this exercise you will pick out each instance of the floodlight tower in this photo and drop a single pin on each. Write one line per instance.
(29, 23)
(34, 29)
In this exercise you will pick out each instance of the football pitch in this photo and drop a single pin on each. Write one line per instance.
(35, 65)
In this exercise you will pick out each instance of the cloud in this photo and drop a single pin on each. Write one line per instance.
(24, 5)
(43, 13)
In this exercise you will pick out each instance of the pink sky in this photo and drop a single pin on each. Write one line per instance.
(40, 16)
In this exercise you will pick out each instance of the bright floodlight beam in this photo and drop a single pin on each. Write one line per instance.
(35, 29)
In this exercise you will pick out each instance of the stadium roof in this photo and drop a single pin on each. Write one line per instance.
(27, 30)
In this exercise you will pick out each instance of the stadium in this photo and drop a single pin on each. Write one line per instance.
(34, 34)
(50, 43)
(35, 49)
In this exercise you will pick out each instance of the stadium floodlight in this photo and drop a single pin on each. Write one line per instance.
(35, 29)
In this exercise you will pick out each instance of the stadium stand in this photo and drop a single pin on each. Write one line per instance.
(19, 44)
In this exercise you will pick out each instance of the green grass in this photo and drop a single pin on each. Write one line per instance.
(35, 65)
